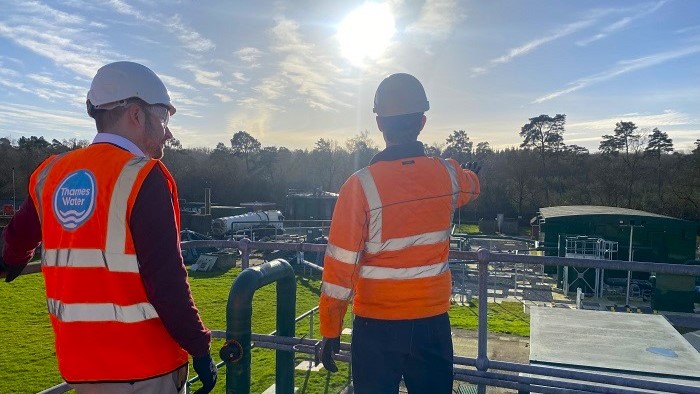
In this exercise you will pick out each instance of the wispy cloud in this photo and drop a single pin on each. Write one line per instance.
(688, 29)
(606, 125)
(188, 37)
(680, 126)
(249, 55)
(125, 8)
(270, 88)
(51, 89)
(240, 77)
(187, 104)
(303, 68)
(621, 68)
(438, 18)
(53, 14)
(6, 59)
(204, 77)
(534, 44)
(171, 82)
(224, 98)
(643, 11)
(66, 47)
(17, 117)
(56, 35)
(14, 85)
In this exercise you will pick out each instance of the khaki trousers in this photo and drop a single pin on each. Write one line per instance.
(172, 383)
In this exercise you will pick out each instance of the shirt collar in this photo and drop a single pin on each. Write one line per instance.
(119, 141)
(402, 151)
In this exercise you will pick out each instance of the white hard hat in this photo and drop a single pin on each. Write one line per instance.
(123, 80)
(400, 94)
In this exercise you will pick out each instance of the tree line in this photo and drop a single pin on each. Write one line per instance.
(632, 168)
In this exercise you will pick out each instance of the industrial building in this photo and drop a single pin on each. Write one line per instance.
(634, 235)
(304, 205)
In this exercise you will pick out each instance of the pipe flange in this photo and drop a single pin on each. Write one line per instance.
(232, 351)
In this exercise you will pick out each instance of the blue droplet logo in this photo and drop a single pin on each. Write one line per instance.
(74, 199)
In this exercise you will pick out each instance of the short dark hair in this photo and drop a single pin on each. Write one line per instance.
(402, 128)
(106, 118)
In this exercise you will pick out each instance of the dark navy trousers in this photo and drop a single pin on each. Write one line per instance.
(418, 350)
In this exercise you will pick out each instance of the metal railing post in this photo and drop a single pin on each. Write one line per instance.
(482, 360)
(244, 246)
(239, 312)
(311, 325)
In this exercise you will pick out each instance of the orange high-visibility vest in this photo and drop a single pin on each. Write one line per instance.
(390, 238)
(105, 328)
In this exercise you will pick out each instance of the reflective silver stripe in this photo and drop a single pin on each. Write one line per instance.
(375, 205)
(455, 182)
(342, 255)
(405, 242)
(116, 223)
(335, 291)
(105, 312)
(425, 271)
(39, 188)
(89, 258)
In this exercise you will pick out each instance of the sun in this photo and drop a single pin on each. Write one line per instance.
(366, 32)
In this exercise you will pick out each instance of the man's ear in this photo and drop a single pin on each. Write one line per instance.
(422, 123)
(135, 116)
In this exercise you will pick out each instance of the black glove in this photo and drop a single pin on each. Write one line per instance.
(206, 370)
(329, 347)
(472, 166)
(9, 272)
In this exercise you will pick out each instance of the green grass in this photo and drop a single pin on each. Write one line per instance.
(28, 364)
(503, 318)
(467, 229)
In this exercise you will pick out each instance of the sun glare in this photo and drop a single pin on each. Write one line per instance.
(366, 32)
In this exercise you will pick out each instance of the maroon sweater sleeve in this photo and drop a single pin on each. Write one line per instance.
(163, 272)
(21, 236)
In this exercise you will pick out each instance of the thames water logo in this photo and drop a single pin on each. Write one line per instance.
(74, 199)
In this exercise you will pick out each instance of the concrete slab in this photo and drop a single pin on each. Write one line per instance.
(308, 365)
(502, 347)
(271, 390)
(638, 343)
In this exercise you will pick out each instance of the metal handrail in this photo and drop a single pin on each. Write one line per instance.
(482, 377)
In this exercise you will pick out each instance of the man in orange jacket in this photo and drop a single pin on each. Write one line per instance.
(107, 218)
(388, 251)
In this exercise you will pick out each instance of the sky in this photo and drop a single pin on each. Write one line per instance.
(292, 72)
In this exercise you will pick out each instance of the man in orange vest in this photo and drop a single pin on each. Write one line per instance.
(107, 218)
(388, 252)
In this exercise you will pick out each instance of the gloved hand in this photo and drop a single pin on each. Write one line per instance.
(9, 272)
(206, 370)
(473, 166)
(329, 347)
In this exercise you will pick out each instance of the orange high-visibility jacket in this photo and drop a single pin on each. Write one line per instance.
(389, 241)
(105, 328)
